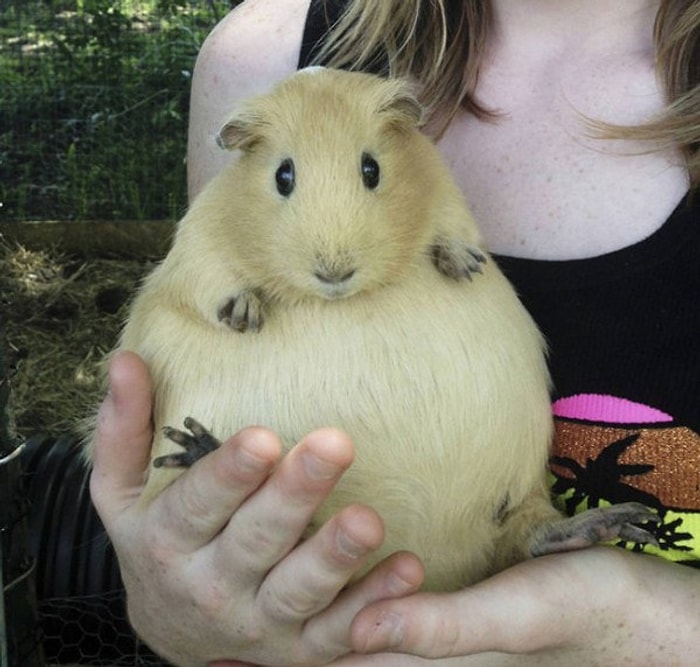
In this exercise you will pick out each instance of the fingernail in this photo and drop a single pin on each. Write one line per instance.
(386, 632)
(348, 547)
(397, 585)
(317, 468)
(249, 462)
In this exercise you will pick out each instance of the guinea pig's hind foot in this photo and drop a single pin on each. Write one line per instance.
(456, 259)
(596, 525)
(197, 444)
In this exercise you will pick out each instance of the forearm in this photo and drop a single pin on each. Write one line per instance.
(601, 606)
(656, 621)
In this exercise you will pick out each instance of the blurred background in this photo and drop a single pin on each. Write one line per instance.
(93, 105)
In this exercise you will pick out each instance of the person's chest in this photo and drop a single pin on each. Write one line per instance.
(538, 181)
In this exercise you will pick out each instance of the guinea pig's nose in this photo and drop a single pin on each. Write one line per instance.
(334, 277)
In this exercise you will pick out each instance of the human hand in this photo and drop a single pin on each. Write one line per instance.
(213, 567)
(596, 606)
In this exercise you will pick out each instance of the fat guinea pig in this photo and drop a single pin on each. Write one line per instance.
(332, 275)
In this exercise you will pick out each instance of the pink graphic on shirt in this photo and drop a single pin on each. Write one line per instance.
(607, 409)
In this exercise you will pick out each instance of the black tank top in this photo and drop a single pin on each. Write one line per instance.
(623, 331)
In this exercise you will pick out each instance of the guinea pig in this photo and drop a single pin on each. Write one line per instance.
(332, 275)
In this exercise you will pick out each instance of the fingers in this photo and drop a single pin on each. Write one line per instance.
(263, 516)
(123, 436)
(286, 502)
(200, 503)
(398, 575)
(307, 580)
(393, 627)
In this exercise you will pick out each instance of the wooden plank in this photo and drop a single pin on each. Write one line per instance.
(90, 238)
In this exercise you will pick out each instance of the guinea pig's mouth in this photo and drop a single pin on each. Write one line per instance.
(334, 293)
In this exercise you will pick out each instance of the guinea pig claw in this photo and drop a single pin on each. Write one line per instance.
(457, 259)
(596, 525)
(198, 443)
(242, 312)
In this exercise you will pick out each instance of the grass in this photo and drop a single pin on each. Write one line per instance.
(94, 96)
(64, 316)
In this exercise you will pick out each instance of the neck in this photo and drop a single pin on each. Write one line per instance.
(543, 25)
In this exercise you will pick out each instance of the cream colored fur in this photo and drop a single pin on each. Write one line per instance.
(441, 383)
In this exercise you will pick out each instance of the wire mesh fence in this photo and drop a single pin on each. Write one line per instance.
(94, 97)
(91, 630)
(80, 615)
(82, 605)
(93, 105)
(19, 622)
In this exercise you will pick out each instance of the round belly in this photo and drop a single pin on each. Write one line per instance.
(441, 386)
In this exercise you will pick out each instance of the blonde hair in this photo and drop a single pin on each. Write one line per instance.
(677, 40)
(440, 44)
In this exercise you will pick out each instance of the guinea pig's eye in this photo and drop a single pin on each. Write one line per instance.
(370, 171)
(285, 177)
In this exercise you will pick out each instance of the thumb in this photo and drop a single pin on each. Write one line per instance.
(511, 612)
(123, 436)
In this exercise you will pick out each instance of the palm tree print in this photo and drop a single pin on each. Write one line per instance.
(601, 478)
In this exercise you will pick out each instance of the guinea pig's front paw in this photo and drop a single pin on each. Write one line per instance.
(456, 258)
(243, 311)
(197, 443)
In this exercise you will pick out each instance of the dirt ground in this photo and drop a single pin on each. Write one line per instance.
(62, 314)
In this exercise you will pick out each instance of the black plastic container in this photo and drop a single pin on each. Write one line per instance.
(81, 596)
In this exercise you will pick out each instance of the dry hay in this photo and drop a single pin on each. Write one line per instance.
(62, 315)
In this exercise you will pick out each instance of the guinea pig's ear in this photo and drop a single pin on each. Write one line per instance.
(240, 132)
(401, 104)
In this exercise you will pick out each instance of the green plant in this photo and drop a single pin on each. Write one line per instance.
(93, 106)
